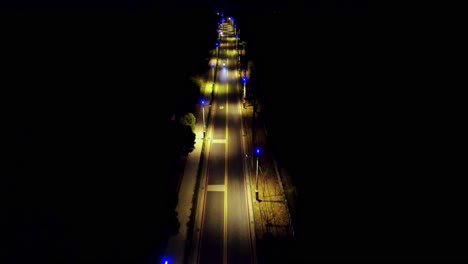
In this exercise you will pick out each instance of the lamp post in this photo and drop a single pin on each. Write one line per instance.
(244, 93)
(203, 112)
(237, 36)
(257, 154)
(237, 39)
(212, 70)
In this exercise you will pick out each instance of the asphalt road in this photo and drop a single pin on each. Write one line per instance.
(225, 235)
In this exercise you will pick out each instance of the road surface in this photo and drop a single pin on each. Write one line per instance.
(224, 223)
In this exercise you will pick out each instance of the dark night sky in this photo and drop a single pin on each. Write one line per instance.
(359, 114)
(352, 94)
(92, 90)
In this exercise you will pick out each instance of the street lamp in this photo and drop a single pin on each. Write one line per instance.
(257, 154)
(237, 36)
(244, 94)
(244, 79)
(203, 111)
(212, 70)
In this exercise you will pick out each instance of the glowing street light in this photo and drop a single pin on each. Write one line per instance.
(257, 154)
(244, 79)
(203, 111)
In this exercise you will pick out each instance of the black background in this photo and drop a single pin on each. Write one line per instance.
(363, 107)
(91, 91)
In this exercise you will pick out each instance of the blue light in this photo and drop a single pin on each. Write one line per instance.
(257, 151)
(165, 260)
(217, 44)
(244, 79)
(203, 102)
